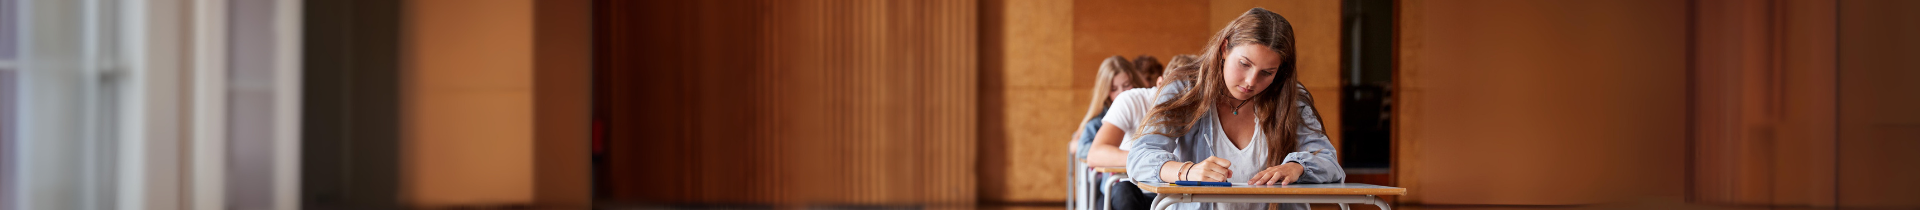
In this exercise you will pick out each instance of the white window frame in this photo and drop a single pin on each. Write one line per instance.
(162, 142)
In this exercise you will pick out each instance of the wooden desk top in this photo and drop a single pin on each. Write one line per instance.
(1110, 169)
(1293, 189)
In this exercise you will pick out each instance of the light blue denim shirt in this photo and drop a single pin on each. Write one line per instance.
(1315, 151)
(1087, 131)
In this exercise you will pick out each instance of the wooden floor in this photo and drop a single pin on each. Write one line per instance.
(1483, 207)
(1062, 206)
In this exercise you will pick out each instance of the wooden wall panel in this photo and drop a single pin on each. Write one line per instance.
(1409, 41)
(789, 102)
(1130, 28)
(1878, 125)
(1807, 148)
(1762, 103)
(1028, 101)
(467, 103)
(1540, 102)
(562, 78)
(644, 155)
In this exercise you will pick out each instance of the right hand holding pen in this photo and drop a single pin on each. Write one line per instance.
(1214, 169)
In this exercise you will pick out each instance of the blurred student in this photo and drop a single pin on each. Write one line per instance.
(1109, 144)
(1244, 118)
(1149, 65)
(1178, 69)
(1116, 75)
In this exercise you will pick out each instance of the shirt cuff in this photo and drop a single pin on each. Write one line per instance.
(1300, 157)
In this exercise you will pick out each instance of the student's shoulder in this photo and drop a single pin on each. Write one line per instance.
(1167, 92)
(1138, 94)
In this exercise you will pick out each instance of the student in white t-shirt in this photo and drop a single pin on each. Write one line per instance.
(1110, 147)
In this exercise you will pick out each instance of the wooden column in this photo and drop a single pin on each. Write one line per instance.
(1028, 100)
(562, 79)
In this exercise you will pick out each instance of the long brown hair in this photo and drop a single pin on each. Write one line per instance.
(1109, 68)
(1256, 26)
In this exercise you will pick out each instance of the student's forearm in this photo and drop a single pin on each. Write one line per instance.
(1170, 172)
(1106, 156)
(1105, 150)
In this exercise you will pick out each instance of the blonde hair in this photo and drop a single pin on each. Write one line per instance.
(1102, 84)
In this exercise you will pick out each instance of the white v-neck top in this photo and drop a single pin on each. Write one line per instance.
(1246, 161)
(1314, 152)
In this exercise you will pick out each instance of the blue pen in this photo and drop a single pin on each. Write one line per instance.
(1200, 183)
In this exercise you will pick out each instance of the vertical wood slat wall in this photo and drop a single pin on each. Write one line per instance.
(1877, 124)
(1763, 92)
(562, 103)
(1805, 104)
(1789, 103)
(789, 102)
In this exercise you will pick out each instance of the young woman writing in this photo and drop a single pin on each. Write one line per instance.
(1244, 118)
